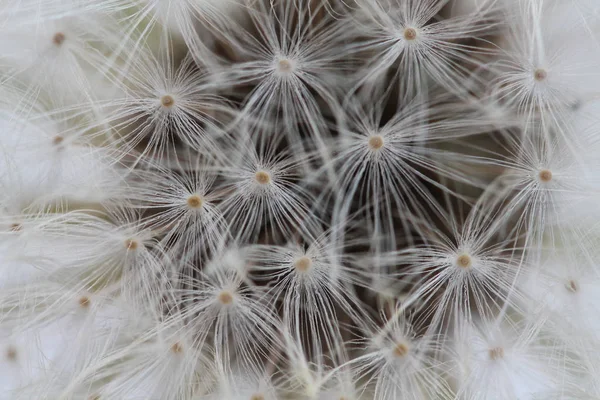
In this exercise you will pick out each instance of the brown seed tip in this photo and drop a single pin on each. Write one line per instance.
(11, 354)
(57, 140)
(410, 33)
(167, 101)
(225, 298)
(540, 74)
(58, 38)
(94, 397)
(303, 264)
(496, 353)
(464, 261)
(131, 244)
(15, 227)
(257, 396)
(284, 65)
(401, 350)
(195, 201)
(84, 302)
(545, 175)
(177, 348)
(376, 142)
(572, 286)
(263, 177)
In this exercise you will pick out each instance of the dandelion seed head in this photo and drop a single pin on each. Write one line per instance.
(58, 38)
(262, 177)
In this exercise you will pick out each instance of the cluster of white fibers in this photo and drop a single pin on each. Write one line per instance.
(299, 199)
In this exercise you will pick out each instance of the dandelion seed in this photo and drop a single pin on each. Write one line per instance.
(11, 354)
(131, 244)
(410, 34)
(376, 142)
(161, 104)
(496, 353)
(401, 350)
(167, 101)
(225, 298)
(84, 302)
(303, 264)
(195, 201)
(545, 175)
(177, 348)
(263, 177)
(464, 261)
(572, 286)
(540, 75)
(285, 66)
(58, 38)
(57, 140)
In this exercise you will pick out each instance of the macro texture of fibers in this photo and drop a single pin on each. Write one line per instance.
(299, 199)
